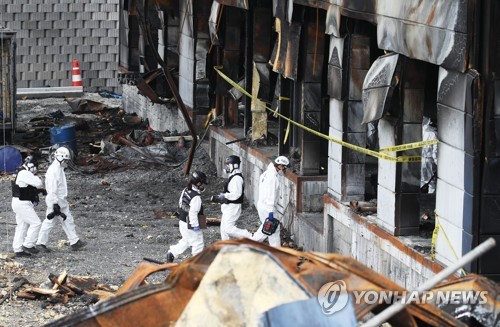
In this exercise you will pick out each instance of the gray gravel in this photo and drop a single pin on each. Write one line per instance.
(115, 214)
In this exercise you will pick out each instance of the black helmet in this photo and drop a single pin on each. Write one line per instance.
(197, 177)
(232, 159)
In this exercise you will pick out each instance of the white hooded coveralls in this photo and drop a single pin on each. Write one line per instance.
(57, 191)
(268, 198)
(231, 211)
(190, 238)
(28, 223)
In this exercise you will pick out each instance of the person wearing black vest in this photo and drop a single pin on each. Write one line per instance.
(190, 206)
(231, 200)
(25, 190)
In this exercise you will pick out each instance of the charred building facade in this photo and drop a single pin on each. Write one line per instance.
(337, 85)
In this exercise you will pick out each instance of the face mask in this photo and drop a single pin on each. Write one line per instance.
(200, 188)
(281, 172)
(64, 164)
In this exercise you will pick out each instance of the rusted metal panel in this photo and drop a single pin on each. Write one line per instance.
(279, 50)
(378, 86)
(243, 4)
(139, 304)
(434, 31)
(292, 53)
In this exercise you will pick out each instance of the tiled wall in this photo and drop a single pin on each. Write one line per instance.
(51, 33)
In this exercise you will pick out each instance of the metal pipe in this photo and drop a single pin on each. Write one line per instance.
(171, 84)
(399, 306)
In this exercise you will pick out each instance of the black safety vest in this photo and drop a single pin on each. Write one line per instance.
(187, 196)
(28, 193)
(226, 185)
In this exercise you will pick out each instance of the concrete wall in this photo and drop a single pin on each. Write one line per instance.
(356, 237)
(337, 228)
(161, 117)
(51, 33)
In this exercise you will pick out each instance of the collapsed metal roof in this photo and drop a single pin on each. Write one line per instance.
(235, 282)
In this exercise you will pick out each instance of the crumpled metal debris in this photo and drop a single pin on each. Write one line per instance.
(241, 279)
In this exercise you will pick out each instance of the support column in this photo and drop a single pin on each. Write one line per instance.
(193, 46)
(399, 183)
(458, 163)
(346, 169)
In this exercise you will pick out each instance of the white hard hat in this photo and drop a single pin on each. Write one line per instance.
(282, 160)
(62, 154)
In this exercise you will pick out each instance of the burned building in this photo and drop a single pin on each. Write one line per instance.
(337, 86)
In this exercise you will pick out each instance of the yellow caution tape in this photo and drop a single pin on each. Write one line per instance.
(369, 152)
(286, 133)
(434, 240)
(209, 118)
(409, 146)
(435, 233)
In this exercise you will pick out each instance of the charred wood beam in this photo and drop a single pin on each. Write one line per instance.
(171, 83)
(53, 278)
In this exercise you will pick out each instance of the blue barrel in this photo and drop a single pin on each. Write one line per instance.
(64, 136)
(10, 159)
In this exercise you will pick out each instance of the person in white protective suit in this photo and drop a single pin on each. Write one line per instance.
(190, 206)
(231, 200)
(57, 205)
(25, 190)
(268, 198)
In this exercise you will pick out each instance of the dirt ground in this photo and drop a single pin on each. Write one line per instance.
(124, 214)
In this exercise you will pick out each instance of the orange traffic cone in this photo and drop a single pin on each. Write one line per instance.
(76, 78)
